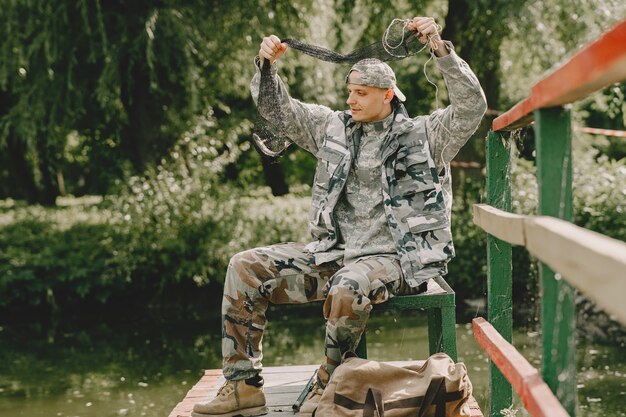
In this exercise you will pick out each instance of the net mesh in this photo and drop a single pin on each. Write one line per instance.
(269, 133)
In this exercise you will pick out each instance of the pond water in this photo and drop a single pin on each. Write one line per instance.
(144, 367)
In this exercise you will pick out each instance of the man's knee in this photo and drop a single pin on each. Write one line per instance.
(349, 282)
(346, 294)
(241, 275)
(241, 258)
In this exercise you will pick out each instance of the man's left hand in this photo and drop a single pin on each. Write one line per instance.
(425, 29)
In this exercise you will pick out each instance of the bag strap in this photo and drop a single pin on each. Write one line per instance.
(373, 404)
(435, 395)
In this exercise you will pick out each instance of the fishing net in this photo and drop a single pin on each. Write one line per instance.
(269, 133)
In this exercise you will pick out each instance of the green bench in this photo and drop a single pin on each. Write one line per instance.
(439, 302)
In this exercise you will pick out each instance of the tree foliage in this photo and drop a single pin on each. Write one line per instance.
(107, 88)
(93, 92)
(104, 71)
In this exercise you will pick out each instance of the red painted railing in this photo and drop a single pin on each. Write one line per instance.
(599, 64)
(605, 132)
(536, 395)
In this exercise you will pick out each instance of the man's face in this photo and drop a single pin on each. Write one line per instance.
(368, 104)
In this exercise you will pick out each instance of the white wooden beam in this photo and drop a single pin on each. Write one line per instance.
(593, 263)
(501, 224)
(590, 261)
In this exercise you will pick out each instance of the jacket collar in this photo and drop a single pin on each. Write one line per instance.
(402, 122)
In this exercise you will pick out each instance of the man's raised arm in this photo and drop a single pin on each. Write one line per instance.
(449, 129)
(304, 123)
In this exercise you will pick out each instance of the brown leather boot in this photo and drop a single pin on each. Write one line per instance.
(234, 398)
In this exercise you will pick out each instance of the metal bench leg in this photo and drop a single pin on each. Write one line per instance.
(441, 331)
(361, 349)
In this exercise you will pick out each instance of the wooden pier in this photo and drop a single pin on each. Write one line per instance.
(283, 384)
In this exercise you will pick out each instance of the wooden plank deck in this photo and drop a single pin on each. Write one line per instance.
(283, 384)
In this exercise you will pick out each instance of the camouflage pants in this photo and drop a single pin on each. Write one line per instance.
(287, 274)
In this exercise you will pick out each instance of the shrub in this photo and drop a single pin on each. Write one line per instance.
(177, 227)
(65, 252)
(60, 256)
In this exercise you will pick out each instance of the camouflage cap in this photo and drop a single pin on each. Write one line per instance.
(376, 73)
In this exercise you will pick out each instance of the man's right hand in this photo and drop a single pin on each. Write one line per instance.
(272, 49)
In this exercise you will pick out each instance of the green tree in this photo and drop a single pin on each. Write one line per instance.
(126, 77)
(92, 92)
(105, 70)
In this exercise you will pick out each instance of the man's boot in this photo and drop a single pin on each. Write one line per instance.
(235, 398)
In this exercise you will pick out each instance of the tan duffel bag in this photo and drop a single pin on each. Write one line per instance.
(366, 388)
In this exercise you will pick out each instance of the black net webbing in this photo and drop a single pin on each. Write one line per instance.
(270, 129)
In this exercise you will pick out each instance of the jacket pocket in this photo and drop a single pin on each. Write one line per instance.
(433, 237)
(328, 160)
(412, 172)
(329, 155)
(427, 222)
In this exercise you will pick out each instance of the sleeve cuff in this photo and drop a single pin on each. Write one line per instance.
(257, 64)
(449, 61)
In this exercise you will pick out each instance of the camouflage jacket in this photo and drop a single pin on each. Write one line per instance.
(415, 176)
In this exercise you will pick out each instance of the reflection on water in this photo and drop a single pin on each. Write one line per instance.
(129, 369)
(145, 368)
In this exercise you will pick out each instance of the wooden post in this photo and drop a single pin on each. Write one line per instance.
(558, 321)
(499, 272)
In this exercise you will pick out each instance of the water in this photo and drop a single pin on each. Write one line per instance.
(143, 367)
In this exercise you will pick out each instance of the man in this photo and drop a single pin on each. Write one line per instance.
(380, 216)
